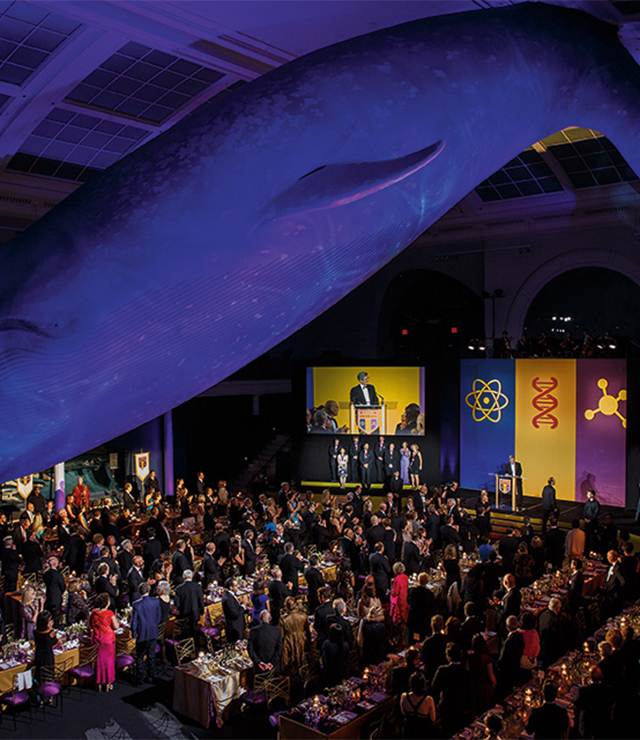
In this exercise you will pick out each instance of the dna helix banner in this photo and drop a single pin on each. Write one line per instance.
(561, 418)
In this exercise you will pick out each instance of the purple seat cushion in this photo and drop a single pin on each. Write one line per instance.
(124, 661)
(171, 642)
(210, 631)
(49, 689)
(82, 671)
(274, 718)
(15, 698)
(254, 698)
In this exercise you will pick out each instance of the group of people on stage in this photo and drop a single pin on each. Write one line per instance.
(368, 611)
(375, 461)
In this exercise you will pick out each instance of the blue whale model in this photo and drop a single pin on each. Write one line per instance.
(206, 247)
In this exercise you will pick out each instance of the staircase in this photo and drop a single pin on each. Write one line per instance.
(264, 463)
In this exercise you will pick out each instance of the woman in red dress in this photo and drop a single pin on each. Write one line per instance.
(102, 623)
(399, 601)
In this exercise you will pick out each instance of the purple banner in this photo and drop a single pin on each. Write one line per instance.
(601, 413)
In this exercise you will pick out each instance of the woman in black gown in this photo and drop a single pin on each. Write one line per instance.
(45, 639)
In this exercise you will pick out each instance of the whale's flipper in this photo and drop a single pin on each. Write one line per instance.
(337, 185)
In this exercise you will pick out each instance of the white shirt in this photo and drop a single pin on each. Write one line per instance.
(365, 391)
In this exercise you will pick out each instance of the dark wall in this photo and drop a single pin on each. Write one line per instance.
(633, 433)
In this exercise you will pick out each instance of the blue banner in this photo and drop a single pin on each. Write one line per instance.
(487, 420)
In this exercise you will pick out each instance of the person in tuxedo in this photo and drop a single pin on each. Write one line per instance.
(32, 553)
(180, 563)
(453, 692)
(338, 617)
(395, 485)
(322, 614)
(145, 620)
(106, 584)
(549, 720)
(354, 459)
(363, 394)
(315, 582)
(278, 592)
(250, 552)
(334, 451)
(211, 566)
(125, 557)
(422, 607)
(233, 612)
(162, 532)
(291, 565)
(200, 484)
(391, 461)
(552, 645)
(514, 468)
(135, 577)
(614, 584)
(554, 541)
(549, 504)
(575, 600)
(594, 706)
(74, 551)
(189, 602)
(380, 569)
(367, 462)
(54, 588)
(507, 602)
(265, 645)
(509, 674)
(379, 449)
(590, 513)
(152, 550)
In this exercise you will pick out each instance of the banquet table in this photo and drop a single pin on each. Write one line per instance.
(292, 725)
(208, 699)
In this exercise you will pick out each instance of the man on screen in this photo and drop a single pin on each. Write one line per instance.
(364, 394)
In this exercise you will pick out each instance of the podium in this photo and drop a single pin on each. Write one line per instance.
(368, 419)
(505, 485)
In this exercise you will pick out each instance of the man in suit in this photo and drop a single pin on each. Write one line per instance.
(334, 451)
(366, 465)
(278, 592)
(554, 544)
(515, 469)
(549, 720)
(396, 485)
(363, 394)
(574, 587)
(614, 584)
(145, 620)
(265, 645)
(338, 617)
(378, 451)
(507, 601)
(32, 553)
(381, 571)
(391, 461)
(152, 550)
(190, 602)
(200, 484)
(250, 552)
(449, 533)
(291, 565)
(211, 565)
(322, 614)
(233, 612)
(135, 577)
(179, 562)
(549, 505)
(54, 588)
(125, 557)
(509, 660)
(594, 706)
(106, 584)
(315, 582)
(550, 630)
(162, 532)
(222, 541)
(434, 648)
(590, 514)
(354, 459)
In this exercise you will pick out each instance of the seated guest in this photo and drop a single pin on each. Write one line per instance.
(334, 656)
(418, 709)
(265, 644)
(189, 602)
(77, 603)
(549, 720)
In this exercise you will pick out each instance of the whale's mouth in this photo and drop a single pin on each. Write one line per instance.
(24, 326)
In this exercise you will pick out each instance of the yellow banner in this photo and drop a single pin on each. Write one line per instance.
(546, 424)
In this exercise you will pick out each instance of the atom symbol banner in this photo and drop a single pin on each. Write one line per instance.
(487, 400)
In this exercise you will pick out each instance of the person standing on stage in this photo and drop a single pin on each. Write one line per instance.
(380, 449)
(354, 460)
(366, 465)
(549, 505)
(590, 515)
(334, 451)
(514, 469)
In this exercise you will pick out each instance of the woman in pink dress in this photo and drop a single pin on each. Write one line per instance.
(103, 624)
(399, 601)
